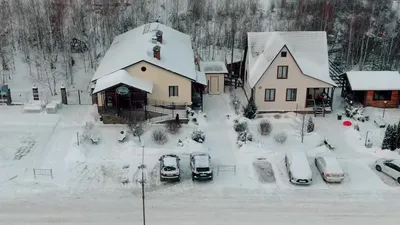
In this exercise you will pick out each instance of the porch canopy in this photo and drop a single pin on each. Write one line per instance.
(122, 77)
(373, 80)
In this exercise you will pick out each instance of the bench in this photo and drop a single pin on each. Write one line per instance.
(380, 122)
(34, 106)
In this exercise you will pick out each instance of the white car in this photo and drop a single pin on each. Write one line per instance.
(298, 168)
(330, 169)
(391, 167)
(169, 168)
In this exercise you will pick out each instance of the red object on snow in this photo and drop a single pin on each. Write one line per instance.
(347, 123)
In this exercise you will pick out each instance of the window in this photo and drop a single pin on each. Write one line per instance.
(283, 54)
(282, 72)
(173, 91)
(269, 95)
(143, 69)
(291, 94)
(383, 95)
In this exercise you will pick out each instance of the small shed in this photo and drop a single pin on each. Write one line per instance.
(372, 88)
(215, 73)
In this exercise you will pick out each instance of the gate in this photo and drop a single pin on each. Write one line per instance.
(79, 97)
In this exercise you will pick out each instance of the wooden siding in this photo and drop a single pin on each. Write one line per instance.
(393, 103)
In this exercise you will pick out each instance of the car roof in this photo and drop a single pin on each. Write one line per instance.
(202, 160)
(332, 163)
(299, 164)
(396, 162)
(170, 160)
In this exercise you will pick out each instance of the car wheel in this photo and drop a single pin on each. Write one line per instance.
(162, 179)
(290, 176)
(211, 178)
(378, 167)
(398, 180)
(316, 164)
(192, 178)
(323, 176)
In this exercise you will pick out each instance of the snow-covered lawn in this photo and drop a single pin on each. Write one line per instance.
(50, 142)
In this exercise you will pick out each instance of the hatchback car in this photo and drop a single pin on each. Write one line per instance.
(330, 169)
(391, 167)
(200, 163)
(298, 168)
(169, 168)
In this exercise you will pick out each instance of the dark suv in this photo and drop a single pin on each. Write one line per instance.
(200, 163)
(169, 168)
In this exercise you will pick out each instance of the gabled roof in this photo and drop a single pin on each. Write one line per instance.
(136, 45)
(122, 77)
(309, 50)
(374, 80)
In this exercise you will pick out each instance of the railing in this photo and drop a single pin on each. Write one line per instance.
(42, 172)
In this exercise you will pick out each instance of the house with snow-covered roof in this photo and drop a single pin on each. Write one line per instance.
(151, 65)
(372, 88)
(288, 71)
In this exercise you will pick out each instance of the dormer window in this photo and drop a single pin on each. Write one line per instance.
(283, 54)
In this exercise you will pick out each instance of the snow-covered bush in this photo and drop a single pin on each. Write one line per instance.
(198, 136)
(235, 103)
(264, 127)
(310, 125)
(172, 127)
(240, 126)
(280, 137)
(87, 132)
(250, 110)
(356, 127)
(160, 136)
(245, 136)
(277, 116)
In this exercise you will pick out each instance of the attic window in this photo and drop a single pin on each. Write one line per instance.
(283, 54)
(143, 69)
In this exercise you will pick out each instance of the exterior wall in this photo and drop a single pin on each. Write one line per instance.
(296, 79)
(393, 103)
(221, 85)
(161, 80)
(100, 99)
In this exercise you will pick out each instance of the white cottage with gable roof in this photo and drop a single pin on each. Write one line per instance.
(288, 71)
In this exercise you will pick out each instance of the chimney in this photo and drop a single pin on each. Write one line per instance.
(159, 35)
(157, 52)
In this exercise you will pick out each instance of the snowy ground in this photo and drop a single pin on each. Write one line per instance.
(89, 178)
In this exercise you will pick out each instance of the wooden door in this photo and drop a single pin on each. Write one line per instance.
(214, 81)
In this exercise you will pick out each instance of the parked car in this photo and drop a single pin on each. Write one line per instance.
(200, 163)
(169, 168)
(298, 168)
(391, 167)
(329, 168)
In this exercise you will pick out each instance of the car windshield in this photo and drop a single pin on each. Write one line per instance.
(169, 168)
(203, 169)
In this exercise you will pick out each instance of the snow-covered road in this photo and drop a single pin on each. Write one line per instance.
(227, 207)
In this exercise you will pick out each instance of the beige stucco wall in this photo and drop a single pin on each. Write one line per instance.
(221, 77)
(100, 99)
(161, 80)
(296, 79)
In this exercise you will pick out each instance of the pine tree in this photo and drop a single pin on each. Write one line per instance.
(250, 110)
(386, 138)
(393, 138)
(310, 125)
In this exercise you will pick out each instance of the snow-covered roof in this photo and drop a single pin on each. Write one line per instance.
(213, 67)
(309, 49)
(136, 45)
(201, 78)
(170, 161)
(202, 160)
(122, 77)
(332, 164)
(300, 166)
(374, 80)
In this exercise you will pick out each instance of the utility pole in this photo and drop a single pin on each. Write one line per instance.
(142, 167)
(302, 128)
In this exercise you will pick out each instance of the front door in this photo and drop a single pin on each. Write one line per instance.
(214, 83)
